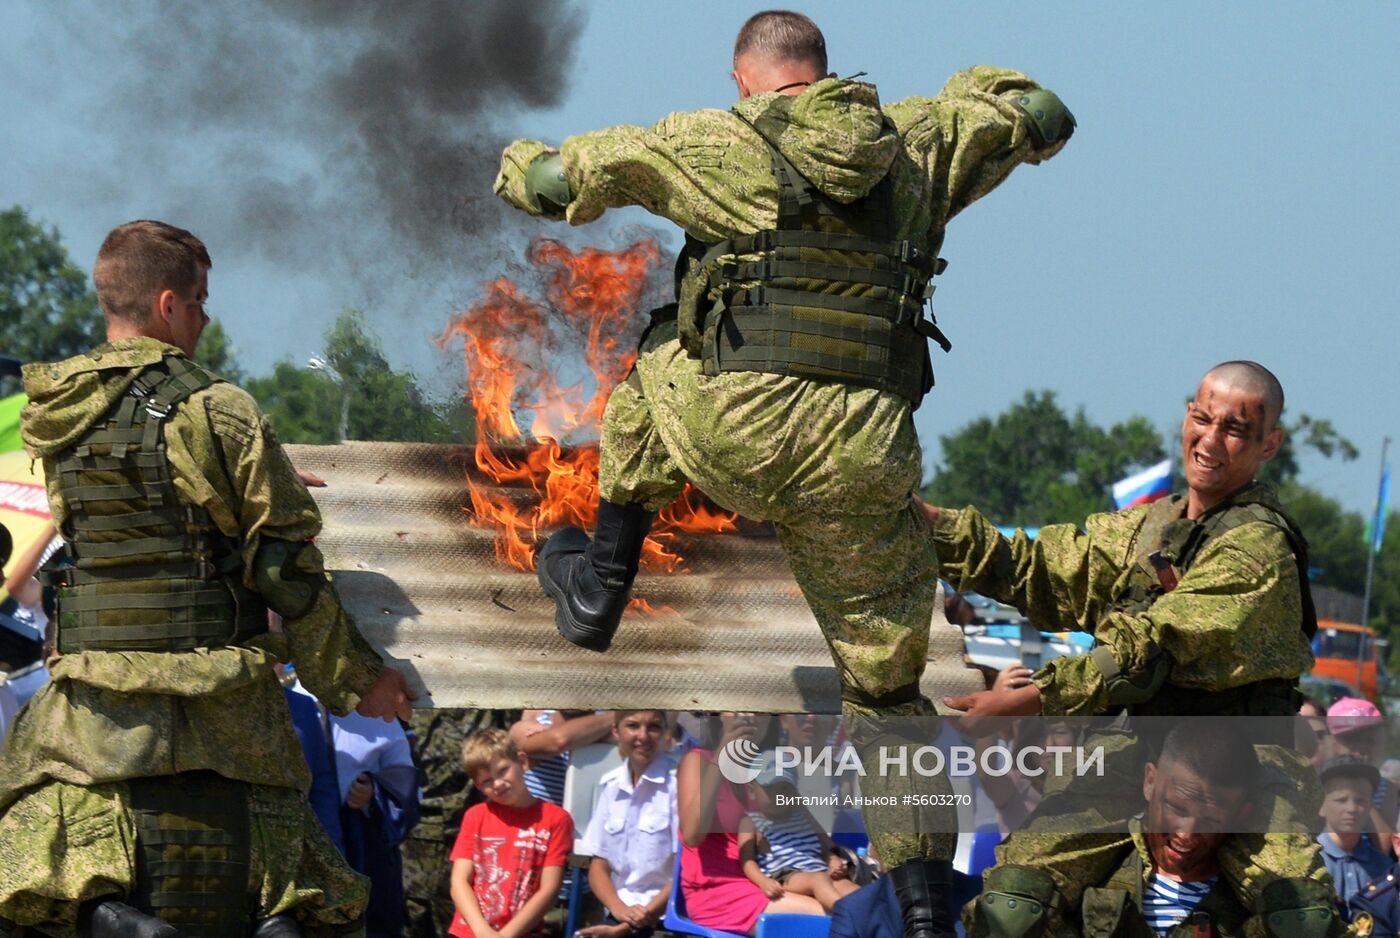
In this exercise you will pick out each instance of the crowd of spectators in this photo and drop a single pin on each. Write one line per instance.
(664, 816)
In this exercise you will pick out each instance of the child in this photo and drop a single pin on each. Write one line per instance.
(783, 850)
(1348, 783)
(632, 833)
(508, 862)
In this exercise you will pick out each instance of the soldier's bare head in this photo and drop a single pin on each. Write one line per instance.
(152, 280)
(1255, 379)
(1230, 430)
(778, 50)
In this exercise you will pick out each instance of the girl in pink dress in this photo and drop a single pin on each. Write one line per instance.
(717, 893)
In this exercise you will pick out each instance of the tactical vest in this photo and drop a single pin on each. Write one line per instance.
(192, 853)
(150, 572)
(829, 294)
(1165, 547)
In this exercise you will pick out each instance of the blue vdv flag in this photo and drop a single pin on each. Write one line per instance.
(1377, 525)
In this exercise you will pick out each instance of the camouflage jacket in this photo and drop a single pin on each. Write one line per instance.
(710, 173)
(1226, 913)
(106, 716)
(1234, 618)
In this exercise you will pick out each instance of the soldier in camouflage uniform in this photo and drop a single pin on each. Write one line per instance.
(158, 771)
(447, 793)
(1200, 785)
(783, 381)
(1199, 606)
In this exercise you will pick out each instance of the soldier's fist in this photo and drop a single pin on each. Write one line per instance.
(388, 697)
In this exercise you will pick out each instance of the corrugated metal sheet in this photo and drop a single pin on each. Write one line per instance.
(425, 587)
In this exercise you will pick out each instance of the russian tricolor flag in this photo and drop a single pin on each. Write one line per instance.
(1146, 486)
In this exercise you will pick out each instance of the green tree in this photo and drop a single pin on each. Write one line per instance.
(304, 405)
(216, 352)
(47, 310)
(1306, 433)
(1336, 552)
(1035, 464)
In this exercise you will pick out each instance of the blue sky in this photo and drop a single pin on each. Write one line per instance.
(1231, 191)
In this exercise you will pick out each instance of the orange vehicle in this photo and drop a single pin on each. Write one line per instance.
(1347, 652)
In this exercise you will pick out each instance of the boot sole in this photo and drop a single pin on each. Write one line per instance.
(565, 624)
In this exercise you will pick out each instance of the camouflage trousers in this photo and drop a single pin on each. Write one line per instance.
(427, 888)
(1079, 833)
(62, 844)
(834, 467)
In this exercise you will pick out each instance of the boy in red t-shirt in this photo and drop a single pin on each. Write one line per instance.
(508, 862)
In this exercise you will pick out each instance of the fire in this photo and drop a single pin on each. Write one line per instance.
(518, 349)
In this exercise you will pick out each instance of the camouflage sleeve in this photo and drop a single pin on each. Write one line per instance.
(231, 463)
(1060, 581)
(972, 134)
(686, 169)
(1234, 618)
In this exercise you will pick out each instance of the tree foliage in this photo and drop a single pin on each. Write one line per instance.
(1035, 464)
(1306, 433)
(47, 310)
(216, 352)
(385, 404)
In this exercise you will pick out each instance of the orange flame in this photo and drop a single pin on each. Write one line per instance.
(516, 349)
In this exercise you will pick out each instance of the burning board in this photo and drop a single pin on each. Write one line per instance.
(425, 584)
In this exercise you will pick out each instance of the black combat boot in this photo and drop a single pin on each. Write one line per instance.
(925, 891)
(279, 926)
(590, 581)
(108, 918)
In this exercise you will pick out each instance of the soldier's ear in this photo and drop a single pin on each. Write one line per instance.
(1149, 781)
(1272, 441)
(163, 305)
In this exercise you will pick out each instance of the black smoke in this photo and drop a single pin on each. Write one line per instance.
(359, 136)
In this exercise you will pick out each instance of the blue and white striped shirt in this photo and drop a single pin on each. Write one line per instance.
(545, 778)
(792, 844)
(1169, 902)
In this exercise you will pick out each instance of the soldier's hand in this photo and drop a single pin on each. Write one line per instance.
(983, 709)
(1012, 678)
(930, 512)
(388, 697)
(310, 479)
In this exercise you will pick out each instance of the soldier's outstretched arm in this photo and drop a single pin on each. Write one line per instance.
(1233, 619)
(983, 124)
(1061, 580)
(687, 169)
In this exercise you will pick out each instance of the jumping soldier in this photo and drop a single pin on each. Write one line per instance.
(783, 380)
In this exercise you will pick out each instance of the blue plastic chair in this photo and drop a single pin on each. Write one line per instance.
(775, 925)
(676, 918)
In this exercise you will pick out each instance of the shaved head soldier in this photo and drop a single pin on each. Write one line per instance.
(783, 379)
(1199, 606)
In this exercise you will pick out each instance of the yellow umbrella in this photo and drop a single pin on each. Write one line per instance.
(24, 503)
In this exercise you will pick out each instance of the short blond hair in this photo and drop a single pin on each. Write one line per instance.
(484, 746)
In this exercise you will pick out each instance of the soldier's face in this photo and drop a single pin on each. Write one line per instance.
(187, 317)
(1187, 819)
(1225, 439)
